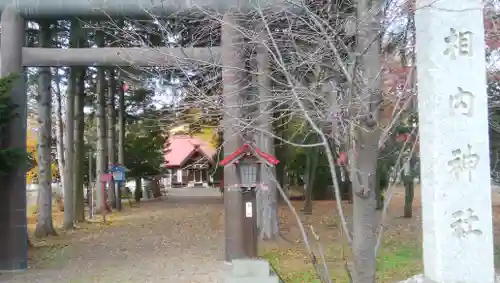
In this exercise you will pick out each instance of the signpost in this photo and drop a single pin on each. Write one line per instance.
(118, 173)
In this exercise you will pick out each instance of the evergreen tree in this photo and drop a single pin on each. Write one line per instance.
(9, 157)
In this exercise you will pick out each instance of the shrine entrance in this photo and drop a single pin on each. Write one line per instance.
(15, 57)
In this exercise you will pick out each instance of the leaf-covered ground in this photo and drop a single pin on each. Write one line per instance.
(159, 241)
(183, 241)
(399, 258)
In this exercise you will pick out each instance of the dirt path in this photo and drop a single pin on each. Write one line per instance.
(162, 241)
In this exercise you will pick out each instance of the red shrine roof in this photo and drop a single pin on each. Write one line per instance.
(182, 147)
(240, 152)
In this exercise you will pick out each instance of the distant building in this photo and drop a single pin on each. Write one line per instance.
(189, 161)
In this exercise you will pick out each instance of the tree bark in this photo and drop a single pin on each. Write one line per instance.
(409, 183)
(111, 120)
(69, 189)
(44, 225)
(409, 196)
(59, 131)
(138, 194)
(311, 166)
(101, 161)
(79, 147)
(121, 134)
(363, 174)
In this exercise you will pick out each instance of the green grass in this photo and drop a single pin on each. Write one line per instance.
(396, 261)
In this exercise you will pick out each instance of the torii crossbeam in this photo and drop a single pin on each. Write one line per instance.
(36, 9)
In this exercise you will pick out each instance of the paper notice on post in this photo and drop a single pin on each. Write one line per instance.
(248, 209)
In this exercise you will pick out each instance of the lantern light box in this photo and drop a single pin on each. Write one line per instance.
(119, 172)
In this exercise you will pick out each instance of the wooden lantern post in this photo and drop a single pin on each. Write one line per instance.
(249, 162)
(118, 173)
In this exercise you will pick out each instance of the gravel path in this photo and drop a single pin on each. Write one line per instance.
(175, 241)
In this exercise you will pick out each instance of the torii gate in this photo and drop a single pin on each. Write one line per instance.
(14, 57)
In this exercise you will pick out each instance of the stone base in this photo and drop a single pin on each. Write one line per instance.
(421, 279)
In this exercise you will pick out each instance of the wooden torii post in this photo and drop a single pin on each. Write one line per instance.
(14, 57)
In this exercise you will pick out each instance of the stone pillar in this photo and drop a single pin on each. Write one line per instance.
(232, 76)
(13, 235)
(455, 167)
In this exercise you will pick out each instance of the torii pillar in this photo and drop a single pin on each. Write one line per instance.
(14, 242)
(232, 77)
(13, 236)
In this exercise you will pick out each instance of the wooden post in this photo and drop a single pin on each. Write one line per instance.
(250, 231)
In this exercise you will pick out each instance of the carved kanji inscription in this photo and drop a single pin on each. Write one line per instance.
(459, 43)
(463, 224)
(463, 162)
(462, 102)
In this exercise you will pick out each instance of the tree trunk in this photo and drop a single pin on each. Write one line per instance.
(79, 124)
(311, 166)
(409, 184)
(409, 195)
(91, 187)
(121, 136)
(138, 189)
(44, 225)
(101, 127)
(110, 111)
(59, 131)
(69, 189)
(79, 147)
(363, 173)
(69, 153)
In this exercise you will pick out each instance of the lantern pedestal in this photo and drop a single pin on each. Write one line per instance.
(250, 230)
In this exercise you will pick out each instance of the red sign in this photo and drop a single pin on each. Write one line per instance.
(106, 178)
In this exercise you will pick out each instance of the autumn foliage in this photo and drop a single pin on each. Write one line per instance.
(32, 148)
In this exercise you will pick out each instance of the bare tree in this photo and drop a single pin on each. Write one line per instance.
(321, 67)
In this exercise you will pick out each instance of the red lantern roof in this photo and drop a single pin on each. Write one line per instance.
(246, 148)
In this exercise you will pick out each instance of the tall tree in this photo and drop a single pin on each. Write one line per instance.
(44, 225)
(69, 193)
(59, 127)
(79, 144)
(121, 127)
(101, 162)
(111, 120)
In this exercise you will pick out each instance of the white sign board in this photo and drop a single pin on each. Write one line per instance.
(248, 209)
